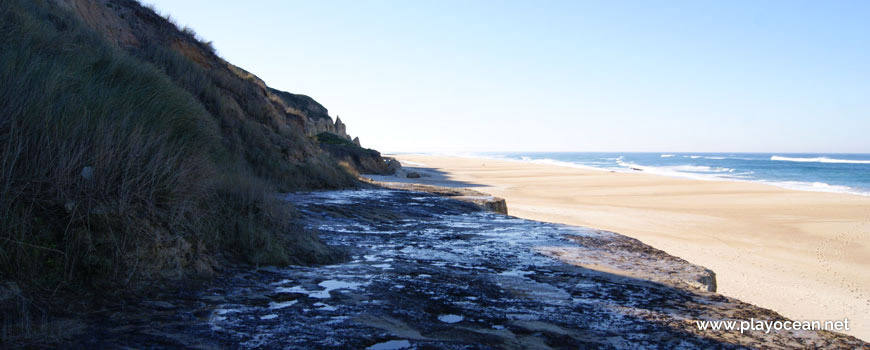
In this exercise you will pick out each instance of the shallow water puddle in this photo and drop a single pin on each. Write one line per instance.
(281, 305)
(450, 318)
(391, 345)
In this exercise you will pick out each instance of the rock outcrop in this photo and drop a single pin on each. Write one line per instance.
(340, 128)
(481, 200)
(316, 117)
(393, 165)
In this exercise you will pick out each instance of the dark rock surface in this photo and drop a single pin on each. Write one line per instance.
(482, 200)
(428, 272)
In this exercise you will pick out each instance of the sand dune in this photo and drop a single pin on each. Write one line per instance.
(803, 254)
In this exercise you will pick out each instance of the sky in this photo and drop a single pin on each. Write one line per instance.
(473, 76)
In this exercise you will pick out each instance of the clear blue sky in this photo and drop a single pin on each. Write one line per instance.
(447, 76)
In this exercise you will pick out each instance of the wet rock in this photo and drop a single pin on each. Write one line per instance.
(487, 202)
(707, 280)
(159, 305)
(481, 200)
(432, 272)
(214, 299)
(256, 299)
(412, 175)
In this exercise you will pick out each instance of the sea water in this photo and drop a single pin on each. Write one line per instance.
(845, 173)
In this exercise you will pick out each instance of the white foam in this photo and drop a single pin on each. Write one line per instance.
(670, 171)
(706, 157)
(410, 163)
(700, 169)
(667, 155)
(521, 273)
(820, 160)
(815, 187)
(727, 174)
(548, 161)
(706, 173)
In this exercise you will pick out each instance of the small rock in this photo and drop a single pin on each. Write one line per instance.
(256, 299)
(88, 172)
(413, 175)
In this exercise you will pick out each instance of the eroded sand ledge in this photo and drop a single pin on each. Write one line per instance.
(803, 254)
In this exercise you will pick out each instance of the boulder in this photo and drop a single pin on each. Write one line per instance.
(393, 166)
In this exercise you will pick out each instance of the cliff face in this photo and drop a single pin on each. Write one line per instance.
(317, 119)
(271, 129)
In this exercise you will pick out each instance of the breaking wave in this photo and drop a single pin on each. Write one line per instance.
(820, 160)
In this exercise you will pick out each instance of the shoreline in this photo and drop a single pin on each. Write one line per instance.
(803, 186)
(799, 253)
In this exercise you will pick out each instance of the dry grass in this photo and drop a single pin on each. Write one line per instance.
(177, 173)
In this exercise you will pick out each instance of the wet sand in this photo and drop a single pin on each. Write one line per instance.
(803, 254)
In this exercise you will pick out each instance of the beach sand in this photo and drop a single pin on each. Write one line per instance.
(803, 254)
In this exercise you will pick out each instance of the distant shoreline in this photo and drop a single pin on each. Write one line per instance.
(799, 253)
(785, 159)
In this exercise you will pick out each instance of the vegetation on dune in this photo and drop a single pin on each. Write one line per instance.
(121, 168)
(333, 139)
(352, 156)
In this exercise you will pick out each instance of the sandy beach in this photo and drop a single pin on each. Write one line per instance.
(802, 254)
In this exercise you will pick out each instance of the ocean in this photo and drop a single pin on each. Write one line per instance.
(844, 173)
